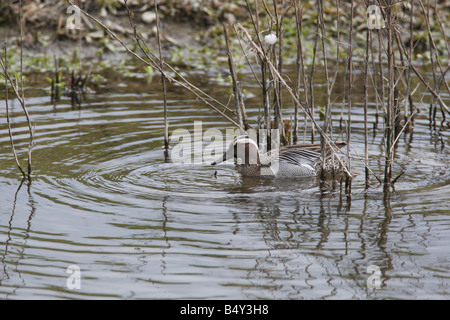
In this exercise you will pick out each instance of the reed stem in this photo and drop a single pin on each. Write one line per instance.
(163, 83)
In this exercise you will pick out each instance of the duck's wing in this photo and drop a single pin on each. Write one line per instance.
(305, 153)
(300, 154)
(297, 155)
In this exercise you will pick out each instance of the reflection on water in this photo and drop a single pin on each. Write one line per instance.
(103, 198)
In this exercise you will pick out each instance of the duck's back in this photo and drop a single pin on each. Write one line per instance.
(289, 161)
(300, 160)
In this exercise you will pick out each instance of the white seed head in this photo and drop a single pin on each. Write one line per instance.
(270, 39)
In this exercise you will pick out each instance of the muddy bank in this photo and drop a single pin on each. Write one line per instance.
(193, 24)
(192, 33)
(46, 32)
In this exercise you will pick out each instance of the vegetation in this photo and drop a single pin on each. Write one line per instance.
(310, 34)
(45, 31)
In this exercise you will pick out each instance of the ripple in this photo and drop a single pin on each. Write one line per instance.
(102, 197)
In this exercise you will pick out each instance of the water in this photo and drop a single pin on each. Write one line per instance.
(103, 198)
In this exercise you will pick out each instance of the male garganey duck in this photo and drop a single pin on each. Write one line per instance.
(288, 161)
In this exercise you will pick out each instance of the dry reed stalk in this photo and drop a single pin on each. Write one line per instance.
(381, 71)
(408, 98)
(412, 67)
(22, 103)
(299, 64)
(349, 96)
(235, 81)
(434, 58)
(422, 79)
(330, 143)
(301, 75)
(276, 53)
(246, 56)
(55, 93)
(443, 29)
(344, 91)
(242, 107)
(311, 76)
(389, 133)
(264, 88)
(432, 46)
(163, 83)
(18, 88)
(338, 44)
(279, 19)
(366, 84)
(327, 117)
(277, 61)
(152, 58)
(4, 66)
(338, 39)
(374, 83)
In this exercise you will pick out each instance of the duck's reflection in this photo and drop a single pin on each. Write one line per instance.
(314, 243)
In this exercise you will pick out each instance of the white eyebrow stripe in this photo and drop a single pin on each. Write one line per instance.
(244, 140)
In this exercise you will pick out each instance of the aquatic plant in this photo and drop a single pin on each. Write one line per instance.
(315, 34)
(17, 85)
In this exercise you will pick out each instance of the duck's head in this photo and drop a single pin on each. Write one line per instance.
(243, 148)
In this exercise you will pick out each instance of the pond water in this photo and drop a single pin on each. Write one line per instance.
(104, 199)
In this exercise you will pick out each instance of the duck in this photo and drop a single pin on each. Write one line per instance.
(301, 160)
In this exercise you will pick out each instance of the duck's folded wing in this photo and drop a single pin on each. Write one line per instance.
(306, 153)
(309, 156)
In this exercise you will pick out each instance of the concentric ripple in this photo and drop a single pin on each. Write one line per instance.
(102, 197)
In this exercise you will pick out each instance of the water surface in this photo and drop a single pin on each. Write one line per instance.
(102, 197)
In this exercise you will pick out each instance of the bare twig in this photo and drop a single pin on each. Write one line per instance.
(234, 79)
(163, 82)
(422, 79)
(349, 95)
(311, 76)
(301, 76)
(18, 88)
(327, 117)
(4, 66)
(329, 142)
(152, 58)
(432, 44)
(366, 76)
(264, 85)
